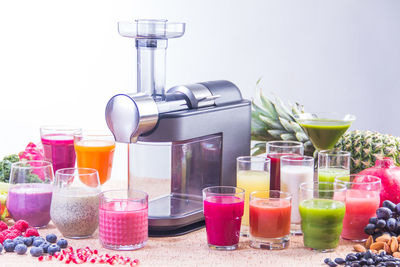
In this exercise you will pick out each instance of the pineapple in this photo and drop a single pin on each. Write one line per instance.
(274, 121)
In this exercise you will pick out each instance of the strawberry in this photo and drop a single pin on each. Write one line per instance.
(21, 225)
(31, 232)
(3, 226)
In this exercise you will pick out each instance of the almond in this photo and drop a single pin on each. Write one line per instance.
(375, 251)
(394, 244)
(383, 238)
(387, 248)
(396, 254)
(369, 241)
(359, 248)
(378, 246)
(398, 239)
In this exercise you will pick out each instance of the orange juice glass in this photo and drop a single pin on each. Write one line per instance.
(95, 150)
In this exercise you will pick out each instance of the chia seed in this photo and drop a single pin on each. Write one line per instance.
(75, 211)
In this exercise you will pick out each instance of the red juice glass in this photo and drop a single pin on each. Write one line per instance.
(362, 201)
(223, 211)
(58, 145)
(275, 150)
(270, 213)
(123, 219)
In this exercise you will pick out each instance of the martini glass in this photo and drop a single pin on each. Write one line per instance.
(325, 128)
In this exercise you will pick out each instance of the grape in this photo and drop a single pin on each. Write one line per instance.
(383, 213)
(391, 224)
(373, 220)
(369, 229)
(397, 208)
(389, 204)
(381, 224)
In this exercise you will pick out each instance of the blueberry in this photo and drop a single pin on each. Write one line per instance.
(359, 255)
(45, 246)
(390, 264)
(368, 254)
(53, 248)
(9, 246)
(20, 249)
(383, 213)
(381, 223)
(1, 247)
(355, 264)
(363, 261)
(37, 242)
(7, 240)
(351, 257)
(340, 260)
(331, 264)
(389, 204)
(19, 240)
(369, 229)
(36, 251)
(51, 238)
(327, 260)
(28, 241)
(373, 220)
(64, 243)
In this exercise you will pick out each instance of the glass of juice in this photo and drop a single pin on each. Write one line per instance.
(75, 203)
(322, 208)
(296, 170)
(252, 175)
(270, 213)
(123, 223)
(58, 145)
(275, 150)
(30, 192)
(362, 201)
(95, 150)
(333, 163)
(223, 211)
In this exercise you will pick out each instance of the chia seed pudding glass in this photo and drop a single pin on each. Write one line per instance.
(75, 203)
(123, 219)
(30, 193)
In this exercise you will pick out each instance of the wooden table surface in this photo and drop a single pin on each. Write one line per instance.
(187, 250)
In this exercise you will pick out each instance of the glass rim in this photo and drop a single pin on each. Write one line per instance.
(297, 158)
(223, 186)
(288, 195)
(76, 171)
(280, 144)
(303, 187)
(60, 128)
(377, 179)
(334, 152)
(45, 164)
(347, 117)
(145, 196)
(253, 159)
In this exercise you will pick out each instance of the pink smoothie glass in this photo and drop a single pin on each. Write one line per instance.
(58, 145)
(30, 193)
(362, 201)
(223, 211)
(123, 219)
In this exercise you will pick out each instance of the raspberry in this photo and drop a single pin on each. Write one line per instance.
(2, 238)
(21, 225)
(3, 226)
(6, 232)
(11, 236)
(31, 232)
(16, 231)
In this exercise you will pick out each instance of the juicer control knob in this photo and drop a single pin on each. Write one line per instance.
(129, 116)
(198, 95)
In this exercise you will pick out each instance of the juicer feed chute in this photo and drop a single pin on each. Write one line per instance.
(200, 129)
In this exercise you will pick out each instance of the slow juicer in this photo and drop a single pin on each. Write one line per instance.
(203, 128)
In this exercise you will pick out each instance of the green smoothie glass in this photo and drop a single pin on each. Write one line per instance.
(322, 208)
(333, 163)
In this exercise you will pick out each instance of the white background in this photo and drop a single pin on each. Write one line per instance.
(60, 61)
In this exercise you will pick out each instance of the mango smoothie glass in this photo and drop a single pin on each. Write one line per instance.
(322, 208)
(95, 150)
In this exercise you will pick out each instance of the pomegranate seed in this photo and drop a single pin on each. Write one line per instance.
(95, 251)
(127, 259)
(136, 261)
(49, 258)
(61, 258)
(68, 261)
(132, 264)
(41, 258)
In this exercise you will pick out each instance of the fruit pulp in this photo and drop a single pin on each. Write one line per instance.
(59, 150)
(251, 181)
(321, 222)
(275, 173)
(291, 179)
(96, 154)
(30, 202)
(223, 215)
(123, 223)
(329, 174)
(324, 133)
(360, 206)
(270, 218)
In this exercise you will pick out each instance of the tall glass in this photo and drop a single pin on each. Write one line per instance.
(96, 150)
(58, 145)
(30, 193)
(223, 211)
(252, 175)
(270, 219)
(275, 150)
(296, 170)
(75, 203)
(322, 209)
(362, 201)
(333, 163)
(123, 221)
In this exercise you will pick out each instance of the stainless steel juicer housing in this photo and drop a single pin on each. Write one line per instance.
(206, 126)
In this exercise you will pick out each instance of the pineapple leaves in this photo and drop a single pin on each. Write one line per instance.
(271, 124)
(276, 134)
(267, 104)
(258, 148)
